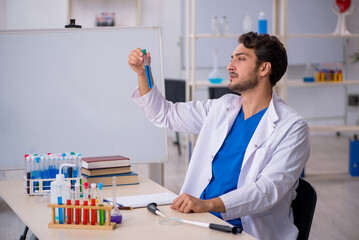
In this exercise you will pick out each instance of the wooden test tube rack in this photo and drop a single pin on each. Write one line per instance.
(108, 225)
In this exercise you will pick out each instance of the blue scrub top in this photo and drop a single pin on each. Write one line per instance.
(227, 163)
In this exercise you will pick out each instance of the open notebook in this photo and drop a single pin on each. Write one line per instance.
(137, 201)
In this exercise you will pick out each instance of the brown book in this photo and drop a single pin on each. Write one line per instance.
(121, 179)
(105, 162)
(106, 171)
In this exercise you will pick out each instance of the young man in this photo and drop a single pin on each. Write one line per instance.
(251, 149)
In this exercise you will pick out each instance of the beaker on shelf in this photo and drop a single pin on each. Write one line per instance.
(214, 76)
(309, 73)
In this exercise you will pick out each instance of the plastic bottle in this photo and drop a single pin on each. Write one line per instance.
(224, 26)
(247, 24)
(59, 183)
(215, 25)
(214, 76)
(262, 23)
(317, 73)
(309, 73)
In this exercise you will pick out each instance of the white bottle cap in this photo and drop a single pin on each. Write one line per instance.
(93, 185)
(60, 177)
(262, 15)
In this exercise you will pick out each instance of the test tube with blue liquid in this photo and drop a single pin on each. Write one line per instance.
(33, 172)
(59, 202)
(64, 160)
(37, 172)
(52, 165)
(147, 68)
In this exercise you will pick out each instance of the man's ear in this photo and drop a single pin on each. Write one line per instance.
(265, 69)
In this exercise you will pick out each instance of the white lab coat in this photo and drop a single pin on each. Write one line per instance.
(273, 162)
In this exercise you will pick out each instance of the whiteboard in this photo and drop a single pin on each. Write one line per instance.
(70, 90)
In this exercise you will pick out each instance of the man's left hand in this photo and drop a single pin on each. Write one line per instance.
(186, 203)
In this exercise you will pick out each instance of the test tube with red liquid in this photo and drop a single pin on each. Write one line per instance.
(68, 202)
(93, 203)
(85, 203)
(77, 203)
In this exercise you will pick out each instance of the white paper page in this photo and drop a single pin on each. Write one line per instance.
(137, 201)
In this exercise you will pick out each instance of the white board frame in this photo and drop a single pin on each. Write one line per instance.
(63, 90)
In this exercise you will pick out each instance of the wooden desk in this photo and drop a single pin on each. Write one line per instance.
(137, 224)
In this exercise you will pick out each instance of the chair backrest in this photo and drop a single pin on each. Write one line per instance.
(175, 90)
(303, 208)
(217, 92)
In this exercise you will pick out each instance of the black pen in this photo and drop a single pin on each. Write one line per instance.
(119, 206)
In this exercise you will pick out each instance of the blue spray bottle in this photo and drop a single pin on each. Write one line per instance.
(262, 23)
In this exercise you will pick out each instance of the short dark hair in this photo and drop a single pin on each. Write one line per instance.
(267, 49)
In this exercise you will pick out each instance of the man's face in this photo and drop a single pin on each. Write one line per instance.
(243, 72)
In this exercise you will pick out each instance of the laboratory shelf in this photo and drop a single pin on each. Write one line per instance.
(335, 128)
(301, 83)
(290, 35)
(204, 35)
(319, 35)
(206, 83)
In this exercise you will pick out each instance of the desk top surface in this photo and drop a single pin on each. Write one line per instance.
(137, 224)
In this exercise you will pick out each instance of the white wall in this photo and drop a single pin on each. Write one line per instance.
(165, 14)
(33, 14)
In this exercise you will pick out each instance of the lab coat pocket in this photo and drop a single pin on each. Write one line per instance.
(259, 161)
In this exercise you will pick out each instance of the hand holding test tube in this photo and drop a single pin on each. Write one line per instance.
(140, 61)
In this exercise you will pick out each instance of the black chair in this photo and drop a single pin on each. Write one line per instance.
(217, 92)
(303, 208)
(175, 91)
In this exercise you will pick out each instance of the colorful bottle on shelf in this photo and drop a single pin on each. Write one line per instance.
(262, 23)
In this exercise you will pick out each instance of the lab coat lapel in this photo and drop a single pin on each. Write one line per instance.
(232, 111)
(264, 130)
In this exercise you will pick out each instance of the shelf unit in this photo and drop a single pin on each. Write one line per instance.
(286, 83)
(279, 28)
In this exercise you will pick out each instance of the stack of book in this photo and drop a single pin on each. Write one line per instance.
(103, 169)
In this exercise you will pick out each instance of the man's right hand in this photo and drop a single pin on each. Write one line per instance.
(136, 61)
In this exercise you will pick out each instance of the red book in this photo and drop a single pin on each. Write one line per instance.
(105, 162)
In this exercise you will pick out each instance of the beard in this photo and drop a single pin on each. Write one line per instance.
(246, 82)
